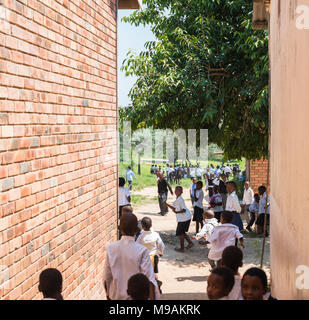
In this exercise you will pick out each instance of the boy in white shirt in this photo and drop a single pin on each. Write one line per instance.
(208, 228)
(232, 204)
(198, 196)
(125, 258)
(183, 216)
(224, 235)
(124, 197)
(153, 242)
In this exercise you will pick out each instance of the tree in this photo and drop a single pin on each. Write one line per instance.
(207, 69)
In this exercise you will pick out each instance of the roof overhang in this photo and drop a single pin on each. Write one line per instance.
(129, 4)
(261, 10)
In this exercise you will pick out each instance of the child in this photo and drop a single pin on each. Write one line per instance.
(138, 287)
(232, 204)
(198, 196)
(232, 258)
(264, 200)
(224, 235)
(50, 284)
(125, 258)
(183, 217)
(253, 209)
(192, 188)
(216, 203)
(220, 283)
(124, 198)
(254, 285)
(208, 228)
(153, 242)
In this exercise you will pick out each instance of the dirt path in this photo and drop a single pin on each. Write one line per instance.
(184, 275)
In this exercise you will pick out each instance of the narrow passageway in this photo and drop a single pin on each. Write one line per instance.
(184, 275)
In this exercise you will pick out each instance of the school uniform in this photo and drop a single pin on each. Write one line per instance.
(163, 191)
(253, 209)
(123, 195)
(216, 198)
(224, 235)
(125, 258)
(208, 228)
(130, 175)
(247, 200)
(153, 242)
(198, 205)
(183, 219)
(232, 205)
(261, 216)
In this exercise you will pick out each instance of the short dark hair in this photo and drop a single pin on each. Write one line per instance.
(256, 195)
(50, 282)
(146, 223)
(262, 189)
(257, 272)
(138, 287)
(232, 183)
(216, 188)
(227, 275)
(227, 216)
(122, 181)
(200, 183)
(232, 258)
(179, 188)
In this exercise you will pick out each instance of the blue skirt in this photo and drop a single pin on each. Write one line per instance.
(237, 221)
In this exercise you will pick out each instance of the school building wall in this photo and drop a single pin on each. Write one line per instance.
(289, 235)
(58, 145)
(257, 173)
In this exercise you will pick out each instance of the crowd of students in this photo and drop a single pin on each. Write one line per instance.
(132, 263)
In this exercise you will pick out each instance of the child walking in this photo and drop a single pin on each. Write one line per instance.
(153, 242)
(50, 284)
(216, 203)
(254, 210)
(198, 196)
(183, 217)
(224, 235)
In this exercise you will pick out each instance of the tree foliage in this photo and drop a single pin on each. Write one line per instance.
(207, 69)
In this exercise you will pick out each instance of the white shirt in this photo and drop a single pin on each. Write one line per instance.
(232, 203)
(129, 175)
(200, 196)
(152, 241)
(179, 205)
(235, 294)
(248, 196)
(227, 169)
(198, 172)
(123, 195)
(262, 203)
(224, 235)
(208, 228)
(125, 258)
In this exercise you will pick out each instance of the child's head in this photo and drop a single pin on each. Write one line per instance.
(232, 258)
(50, 283)
(226, 217)
(128, 224)
(138, 287)
(129, 167)
(208, 214)
(262, 190)
(146, 223)
(199, 185)
(126, 209)
(194, 180)
(254, 284)
(256, 197)
(220, 283)
(122, 181)
(223, 176)
(230, 186)
(216, 189)
(178, 191)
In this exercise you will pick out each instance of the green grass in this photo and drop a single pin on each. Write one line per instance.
(138, 199)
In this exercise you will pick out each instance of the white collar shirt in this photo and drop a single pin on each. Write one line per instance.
(224, 235)
(232, 203)
(125, 258)
(248, 196)
(152, 241)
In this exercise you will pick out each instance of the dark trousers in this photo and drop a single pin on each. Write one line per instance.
(130, 184)
(163, 207)
(252, 219)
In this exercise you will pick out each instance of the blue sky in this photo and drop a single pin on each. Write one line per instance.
(129, 37)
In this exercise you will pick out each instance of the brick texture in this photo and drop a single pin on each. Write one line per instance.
(257, 173)
(58, 143)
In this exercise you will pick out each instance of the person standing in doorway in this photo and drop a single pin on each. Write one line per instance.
(163, 187)
(130, 175)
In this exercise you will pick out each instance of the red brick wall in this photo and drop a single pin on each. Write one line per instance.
(257, 173)
(58, 173)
